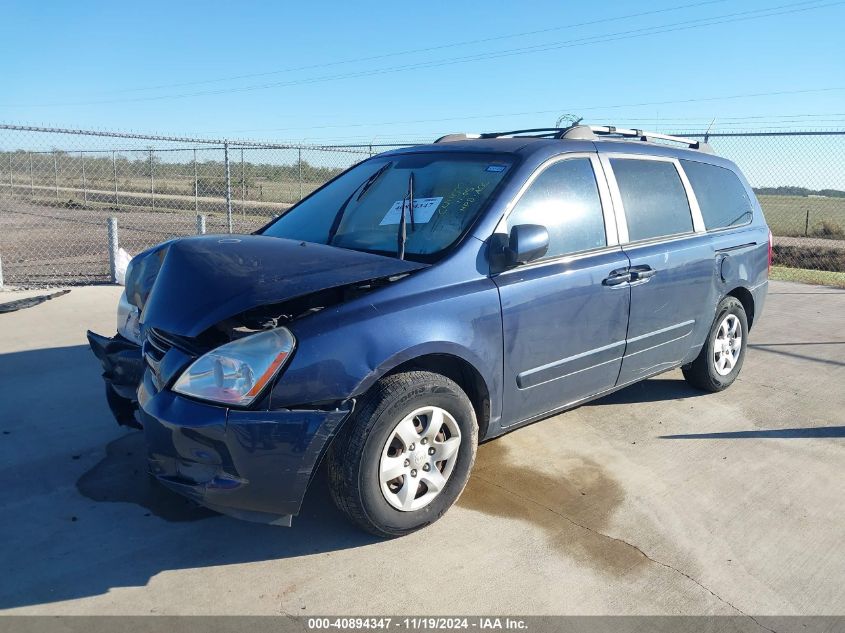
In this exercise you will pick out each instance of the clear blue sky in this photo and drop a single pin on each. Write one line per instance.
(98, 65)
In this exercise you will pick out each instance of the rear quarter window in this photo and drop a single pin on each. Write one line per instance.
(720, 194)
(653, 197)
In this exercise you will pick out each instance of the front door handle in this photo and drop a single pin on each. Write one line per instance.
(642, 272)
(617, 277)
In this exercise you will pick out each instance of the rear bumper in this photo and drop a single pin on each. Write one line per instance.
(759, 293)
(123, 368)
(253, 465)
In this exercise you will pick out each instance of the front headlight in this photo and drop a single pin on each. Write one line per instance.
(128, 324)
(236, 372)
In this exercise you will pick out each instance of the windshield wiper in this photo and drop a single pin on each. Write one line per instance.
(402, 237)
(369, 182)
(372, 180)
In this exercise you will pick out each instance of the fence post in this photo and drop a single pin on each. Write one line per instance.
(84, 182)
(228, 186)
(114, 173)
(201, 225)
(152, 184)
(196, 186)
(807, 223)
(11, 186)
(31, 179)
(300, 173)
(113, 248)
(1, 273)
(243, 185)
(56, 173)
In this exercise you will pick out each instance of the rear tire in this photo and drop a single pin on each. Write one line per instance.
(406, 454)
(720, 360)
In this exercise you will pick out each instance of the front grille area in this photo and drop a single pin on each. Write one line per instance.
(158, 344)
(166, 356)
(155, 347)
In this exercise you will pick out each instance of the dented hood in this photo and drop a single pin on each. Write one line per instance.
(205, 280)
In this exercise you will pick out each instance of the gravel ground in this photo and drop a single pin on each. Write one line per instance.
(56, 245)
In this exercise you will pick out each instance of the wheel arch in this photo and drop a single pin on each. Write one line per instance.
(446, 363)
(468, 378)
(455, 363)
(744, 296)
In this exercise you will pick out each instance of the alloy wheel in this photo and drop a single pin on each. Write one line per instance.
(727, 345)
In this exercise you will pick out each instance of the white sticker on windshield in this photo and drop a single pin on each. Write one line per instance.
(424, 208)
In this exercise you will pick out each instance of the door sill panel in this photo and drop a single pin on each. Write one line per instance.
(581, 401)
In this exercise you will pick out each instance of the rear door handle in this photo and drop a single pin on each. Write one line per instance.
(642, 272)
(617, 277)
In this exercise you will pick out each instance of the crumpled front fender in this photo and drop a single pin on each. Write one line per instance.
(123, 369)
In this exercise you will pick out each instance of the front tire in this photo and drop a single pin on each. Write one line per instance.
(406, 455)
(720, 360)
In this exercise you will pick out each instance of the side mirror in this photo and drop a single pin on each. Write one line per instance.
(525, 243)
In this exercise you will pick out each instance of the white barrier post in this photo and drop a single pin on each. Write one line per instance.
(113, 248)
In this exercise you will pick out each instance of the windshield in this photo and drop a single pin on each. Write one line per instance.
(362, 208)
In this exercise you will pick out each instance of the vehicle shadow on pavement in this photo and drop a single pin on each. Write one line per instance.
(653, 390)
(790, 434)
(766, 347)
(83, 517)
(121, 477)
(126, 546)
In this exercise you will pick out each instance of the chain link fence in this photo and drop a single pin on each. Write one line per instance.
(799, 179)
(59, 189)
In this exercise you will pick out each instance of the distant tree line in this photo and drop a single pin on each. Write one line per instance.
(799, 191)
(138, 164)
(99, 166)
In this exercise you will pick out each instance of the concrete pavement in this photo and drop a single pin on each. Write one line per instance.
(656, 500)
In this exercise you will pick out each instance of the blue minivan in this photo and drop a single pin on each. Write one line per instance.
(428, 299)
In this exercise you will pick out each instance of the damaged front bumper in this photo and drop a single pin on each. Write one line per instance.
(253, 465)
(123, 369)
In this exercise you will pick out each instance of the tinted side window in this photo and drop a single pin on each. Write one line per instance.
(564, 199)
(653, 196)
(720, 194)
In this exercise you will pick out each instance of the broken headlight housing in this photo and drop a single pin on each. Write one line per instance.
(237, 372)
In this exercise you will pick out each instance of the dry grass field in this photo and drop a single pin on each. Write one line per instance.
(804, 216)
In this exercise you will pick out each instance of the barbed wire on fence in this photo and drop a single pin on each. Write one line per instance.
(59, 187)
(197, 140)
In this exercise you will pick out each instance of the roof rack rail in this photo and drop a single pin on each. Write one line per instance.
(610, 130)
(551, 132)
(537, 132)
(585, 133)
